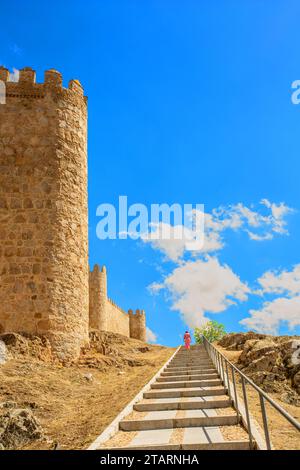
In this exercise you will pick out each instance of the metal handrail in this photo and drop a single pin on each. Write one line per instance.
(219, 359)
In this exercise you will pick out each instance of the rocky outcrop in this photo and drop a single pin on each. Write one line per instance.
(272, 362)
(27, 345)
(18, 426)
(3, 353)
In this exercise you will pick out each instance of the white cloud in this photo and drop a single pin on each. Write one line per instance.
(151, 337)
(258, 226)
(276, 282)
(280, 310)
(259, 238)
(170, 240)
(203, 286)
(155, 287)
(279, 212)
(273, 314)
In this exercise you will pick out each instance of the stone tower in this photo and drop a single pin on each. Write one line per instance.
(137, 325)
(43, 210)
(98, 298)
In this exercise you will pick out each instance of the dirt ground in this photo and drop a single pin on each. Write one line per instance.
(74, 404)
(283, 435)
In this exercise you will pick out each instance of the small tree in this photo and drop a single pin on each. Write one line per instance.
(212, 330)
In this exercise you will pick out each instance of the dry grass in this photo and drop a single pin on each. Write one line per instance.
(120, 439)
(234, 433)
(283, 435)
(230, 411)
(72, 410)
(136, 416)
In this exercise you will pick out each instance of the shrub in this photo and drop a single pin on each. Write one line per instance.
(212, 330)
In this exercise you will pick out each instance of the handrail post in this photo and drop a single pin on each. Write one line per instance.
(227, 376)
(235, 394)
(219, 363)
(223, 373)
(247, 412)
(215, 358)
(265, 421)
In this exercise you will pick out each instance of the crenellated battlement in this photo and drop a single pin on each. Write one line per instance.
(26, 86)
(107, 315)
(138, 313)
(116, 305)
(45, 284)
(137, 324)
(44, 275)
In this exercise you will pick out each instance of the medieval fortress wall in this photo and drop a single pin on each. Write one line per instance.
(106, 315)
(45, 284)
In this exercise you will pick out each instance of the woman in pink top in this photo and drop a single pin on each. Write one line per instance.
(187, 340)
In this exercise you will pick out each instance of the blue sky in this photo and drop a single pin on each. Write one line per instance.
(189, 102)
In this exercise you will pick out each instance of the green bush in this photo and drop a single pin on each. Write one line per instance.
(212, 330)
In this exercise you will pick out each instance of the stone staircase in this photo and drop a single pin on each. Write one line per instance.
(186, 408)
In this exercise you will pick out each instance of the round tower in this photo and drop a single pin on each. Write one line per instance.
(98, 298)
(43, 208)
(137, 325)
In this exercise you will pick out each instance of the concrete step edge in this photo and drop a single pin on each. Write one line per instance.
(184, 393)
(224, 445)
(187, 378)
(210, 370)
(192, 405)
(172, 423)
(187, 384)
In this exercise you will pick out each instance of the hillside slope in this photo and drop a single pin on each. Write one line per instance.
(272, 362)
(45, 404)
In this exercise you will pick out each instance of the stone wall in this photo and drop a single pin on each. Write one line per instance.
(137, 325)
(117, 319)
(106, 315)
(98, 299)
(45, 284)
(43, 211)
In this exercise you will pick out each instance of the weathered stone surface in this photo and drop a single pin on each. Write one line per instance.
(45, 286)
(3, 353)
(106, 315)
(18, 427)
(236, 341)
(28, 345)
(43, 212)
(269, 361)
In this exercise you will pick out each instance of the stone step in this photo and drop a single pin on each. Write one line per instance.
(182, 405)
(188, 372)
(191, 358)
(206, 368)
(189, 368)
(180, 378)
(198, 361)
(223, 445)
(190, 364)
(177, 393)
(187, 384)
(143, 424)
